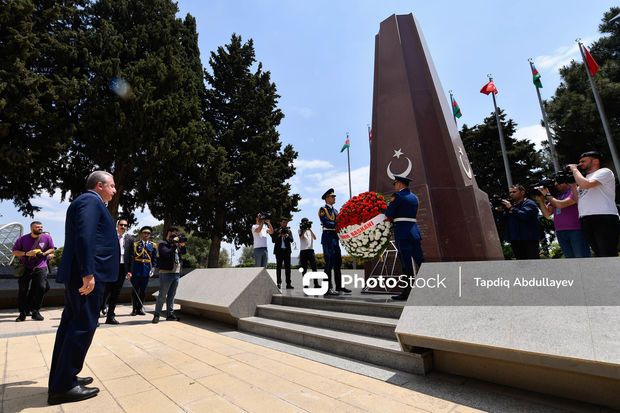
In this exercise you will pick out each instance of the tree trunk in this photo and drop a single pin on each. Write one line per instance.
(216, 238)
(119, 181)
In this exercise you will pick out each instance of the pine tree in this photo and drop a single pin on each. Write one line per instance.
(241, 106)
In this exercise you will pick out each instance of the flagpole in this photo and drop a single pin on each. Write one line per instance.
(601, 112)
(552, 151)
(349, 167)
(501, 139)
(452, 108)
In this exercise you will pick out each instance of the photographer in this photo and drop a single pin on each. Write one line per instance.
(522, 228)
(565, 215)
(169, 265)
(282, 239)
(597, 208)
(306, 248)
(260, 230)
(33, 251)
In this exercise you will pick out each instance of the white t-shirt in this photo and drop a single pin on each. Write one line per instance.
(305, 241)
(600, 200)
(260, 240)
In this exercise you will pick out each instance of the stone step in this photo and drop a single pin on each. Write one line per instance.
(374, 350)
(342, 304)
(353, 323)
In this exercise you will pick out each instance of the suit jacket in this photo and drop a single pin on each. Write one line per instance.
(404, 205)
(91, 242)
(127, 252)
(277, 241)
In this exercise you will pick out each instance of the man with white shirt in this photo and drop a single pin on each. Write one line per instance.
(306, 248)
(597, 207)
(261, 232)
(113, 289)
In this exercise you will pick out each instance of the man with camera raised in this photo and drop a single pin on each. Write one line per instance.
(306, 248)
(170, 252)
(32, 250)
(565, 213)
(282, 239)
(598, 213)
(522, 226)
(260, 232)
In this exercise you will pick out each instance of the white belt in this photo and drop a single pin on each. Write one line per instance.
(405, 220)
(329, 229)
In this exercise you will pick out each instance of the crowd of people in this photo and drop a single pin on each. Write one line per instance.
(582, 206)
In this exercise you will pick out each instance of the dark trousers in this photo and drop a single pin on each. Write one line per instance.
(307, 259)
(75, 334)
(113, 291)
(31, 289)
(283, 257)
(139, 291)
(526, 250)
(333, 262)
(409, 251)
(601, 232)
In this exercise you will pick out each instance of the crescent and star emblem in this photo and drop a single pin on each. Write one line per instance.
(397, 154)
(466, 170)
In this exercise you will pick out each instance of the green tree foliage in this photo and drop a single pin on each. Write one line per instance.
(572, 111)
(483, 149)
(42, 76)
(241, 105)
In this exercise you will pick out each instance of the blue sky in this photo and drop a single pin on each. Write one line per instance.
(320, 55)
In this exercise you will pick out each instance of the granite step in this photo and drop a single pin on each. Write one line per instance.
(375, 350)
(352, 323)
(342, 304)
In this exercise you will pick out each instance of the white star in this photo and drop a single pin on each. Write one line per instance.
(397, 153)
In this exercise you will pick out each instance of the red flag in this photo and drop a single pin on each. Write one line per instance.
(489, 88)
(590, 62)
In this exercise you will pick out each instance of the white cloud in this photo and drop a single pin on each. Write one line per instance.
(561, 56)
(534, 133)
(304, 165)
(340, 182)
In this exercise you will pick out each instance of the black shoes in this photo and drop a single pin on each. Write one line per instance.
(332, 292)
(104, 310)
(133, 313)
(140, 312)
(289, 287)
(400, 297)
(345, 290)
(155, 319)
(20, 317)
(84, 381)
(172, 317)
(76, 394)
(36, 315)
(111, 320)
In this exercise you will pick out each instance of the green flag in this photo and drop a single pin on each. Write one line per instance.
(346, 145)
(536, 77)
(456, 109)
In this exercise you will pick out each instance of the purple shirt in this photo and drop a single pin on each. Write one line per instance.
(566, 218)
(27, 243)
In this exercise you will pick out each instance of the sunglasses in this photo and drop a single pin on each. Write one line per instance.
(123, 225)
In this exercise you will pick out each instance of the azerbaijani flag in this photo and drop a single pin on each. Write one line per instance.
(456, 110)
(536, 77)
(347, 144)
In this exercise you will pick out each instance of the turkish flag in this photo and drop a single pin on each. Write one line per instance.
(590, 62)
(489, 88)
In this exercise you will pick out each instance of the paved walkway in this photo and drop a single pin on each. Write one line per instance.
(193, 366)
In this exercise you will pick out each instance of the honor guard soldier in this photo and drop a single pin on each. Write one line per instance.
(331, 244)
(403, 210)
(143, 263)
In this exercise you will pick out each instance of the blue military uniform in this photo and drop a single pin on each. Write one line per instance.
(403, 210)
(144, 259)
(331, 246)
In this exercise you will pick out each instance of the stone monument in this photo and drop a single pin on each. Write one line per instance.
(414, 135)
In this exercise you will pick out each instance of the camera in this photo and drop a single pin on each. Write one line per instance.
(565, 177)
(178, 238)
(497, 202)
(305, 224)
(545, 183)
(282, 231)
(265, 216)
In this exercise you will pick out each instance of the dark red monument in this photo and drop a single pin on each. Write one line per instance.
(414, 135)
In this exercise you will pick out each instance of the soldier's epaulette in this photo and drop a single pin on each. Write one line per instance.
(322, 212)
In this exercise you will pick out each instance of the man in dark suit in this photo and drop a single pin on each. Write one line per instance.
(282, 239)
(113, 289)
(403, 210)
(90, 259)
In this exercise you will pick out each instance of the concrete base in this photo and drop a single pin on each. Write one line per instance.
(225, 294)
(560, 341)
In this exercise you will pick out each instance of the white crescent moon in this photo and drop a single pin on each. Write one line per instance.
(405, 173)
